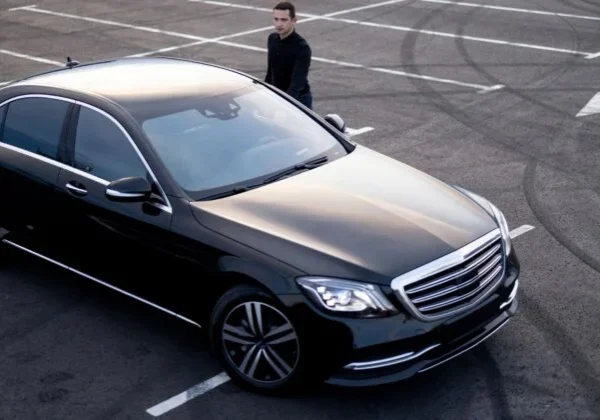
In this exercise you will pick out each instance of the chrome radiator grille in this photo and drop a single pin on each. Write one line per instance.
(455, 282)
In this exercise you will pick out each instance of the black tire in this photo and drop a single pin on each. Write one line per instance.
(271, 361)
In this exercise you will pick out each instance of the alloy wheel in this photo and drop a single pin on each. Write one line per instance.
(260, 342)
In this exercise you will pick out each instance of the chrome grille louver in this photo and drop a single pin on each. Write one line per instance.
(454, 283)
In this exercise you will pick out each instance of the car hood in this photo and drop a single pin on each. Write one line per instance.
(364, 216)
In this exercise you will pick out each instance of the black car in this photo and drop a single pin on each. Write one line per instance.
(218, 199)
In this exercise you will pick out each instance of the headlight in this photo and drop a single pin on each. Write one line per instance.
(494, 212)
(350, 297)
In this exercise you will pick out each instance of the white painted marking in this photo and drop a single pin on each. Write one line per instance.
(253, 31)
(592, 107)
(491, 88)
(21, 7)
(31, 57)
(113, 23)
(513, 9)
(204, 41)
(408, 29)
(167, 49)
(351, 132)
(520, 230)
(592, 56)
(265, 9)
(6, 83)
(188, 395)
(482, 88)
(224, 4)
(360, 8)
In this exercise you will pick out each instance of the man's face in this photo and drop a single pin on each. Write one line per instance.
(282, 22)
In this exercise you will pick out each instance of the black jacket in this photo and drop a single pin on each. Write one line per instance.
(288, 63)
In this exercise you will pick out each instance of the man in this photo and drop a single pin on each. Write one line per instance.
(289, 56)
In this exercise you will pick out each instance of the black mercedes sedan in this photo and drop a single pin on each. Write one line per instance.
(220, 200)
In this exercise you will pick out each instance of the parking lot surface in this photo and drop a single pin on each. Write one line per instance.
(495, 96)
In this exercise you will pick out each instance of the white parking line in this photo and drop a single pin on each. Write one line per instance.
(520, 230)
(205, 41)
(110, 22)
(512, 9)
(478, 87)
(408, 29)
(265, 9)
(352, 132)
(253, 31)
(187, 395)
(31, 57)
(21, 7)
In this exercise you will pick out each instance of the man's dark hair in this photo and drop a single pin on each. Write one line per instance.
(286, 5)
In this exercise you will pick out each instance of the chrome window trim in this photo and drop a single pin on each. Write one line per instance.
(110, 286)
(166, 208)
(439, 265)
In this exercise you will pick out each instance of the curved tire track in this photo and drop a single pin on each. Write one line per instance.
(495, 384)
(499, 139)
(572, 4)
(546, 221)
(582, 371)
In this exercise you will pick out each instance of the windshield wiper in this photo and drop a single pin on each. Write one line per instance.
(230, 192)
(311, 164)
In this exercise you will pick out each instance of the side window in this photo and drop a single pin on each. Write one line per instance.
(35, 125)
(2, 113)
(103, 150)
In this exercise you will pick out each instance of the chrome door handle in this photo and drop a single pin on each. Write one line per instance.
(76, 190)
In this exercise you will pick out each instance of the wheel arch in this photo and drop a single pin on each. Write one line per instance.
(236, 271)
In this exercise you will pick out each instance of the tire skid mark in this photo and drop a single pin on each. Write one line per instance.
(407, 49)
(573, 357)
(546, 221)
(555, 335)
(561, 68)
(563, 344)
(576, 6)
(495, 384)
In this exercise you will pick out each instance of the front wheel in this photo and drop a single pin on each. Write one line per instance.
(258, 345)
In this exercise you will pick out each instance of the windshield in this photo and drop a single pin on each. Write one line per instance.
(236, 138)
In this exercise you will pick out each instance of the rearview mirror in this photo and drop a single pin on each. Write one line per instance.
(129, 189)
(336, 121)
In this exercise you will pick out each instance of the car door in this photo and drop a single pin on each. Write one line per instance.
(32, 129)
(123, 244)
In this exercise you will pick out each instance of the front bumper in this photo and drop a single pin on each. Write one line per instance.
(443, 347)
(365, 352)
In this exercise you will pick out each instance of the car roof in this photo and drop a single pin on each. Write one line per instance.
(131, 80)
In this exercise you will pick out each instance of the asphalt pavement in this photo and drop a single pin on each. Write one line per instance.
(484, 94)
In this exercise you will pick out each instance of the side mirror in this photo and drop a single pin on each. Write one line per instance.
(129, 189)
(336, 121)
